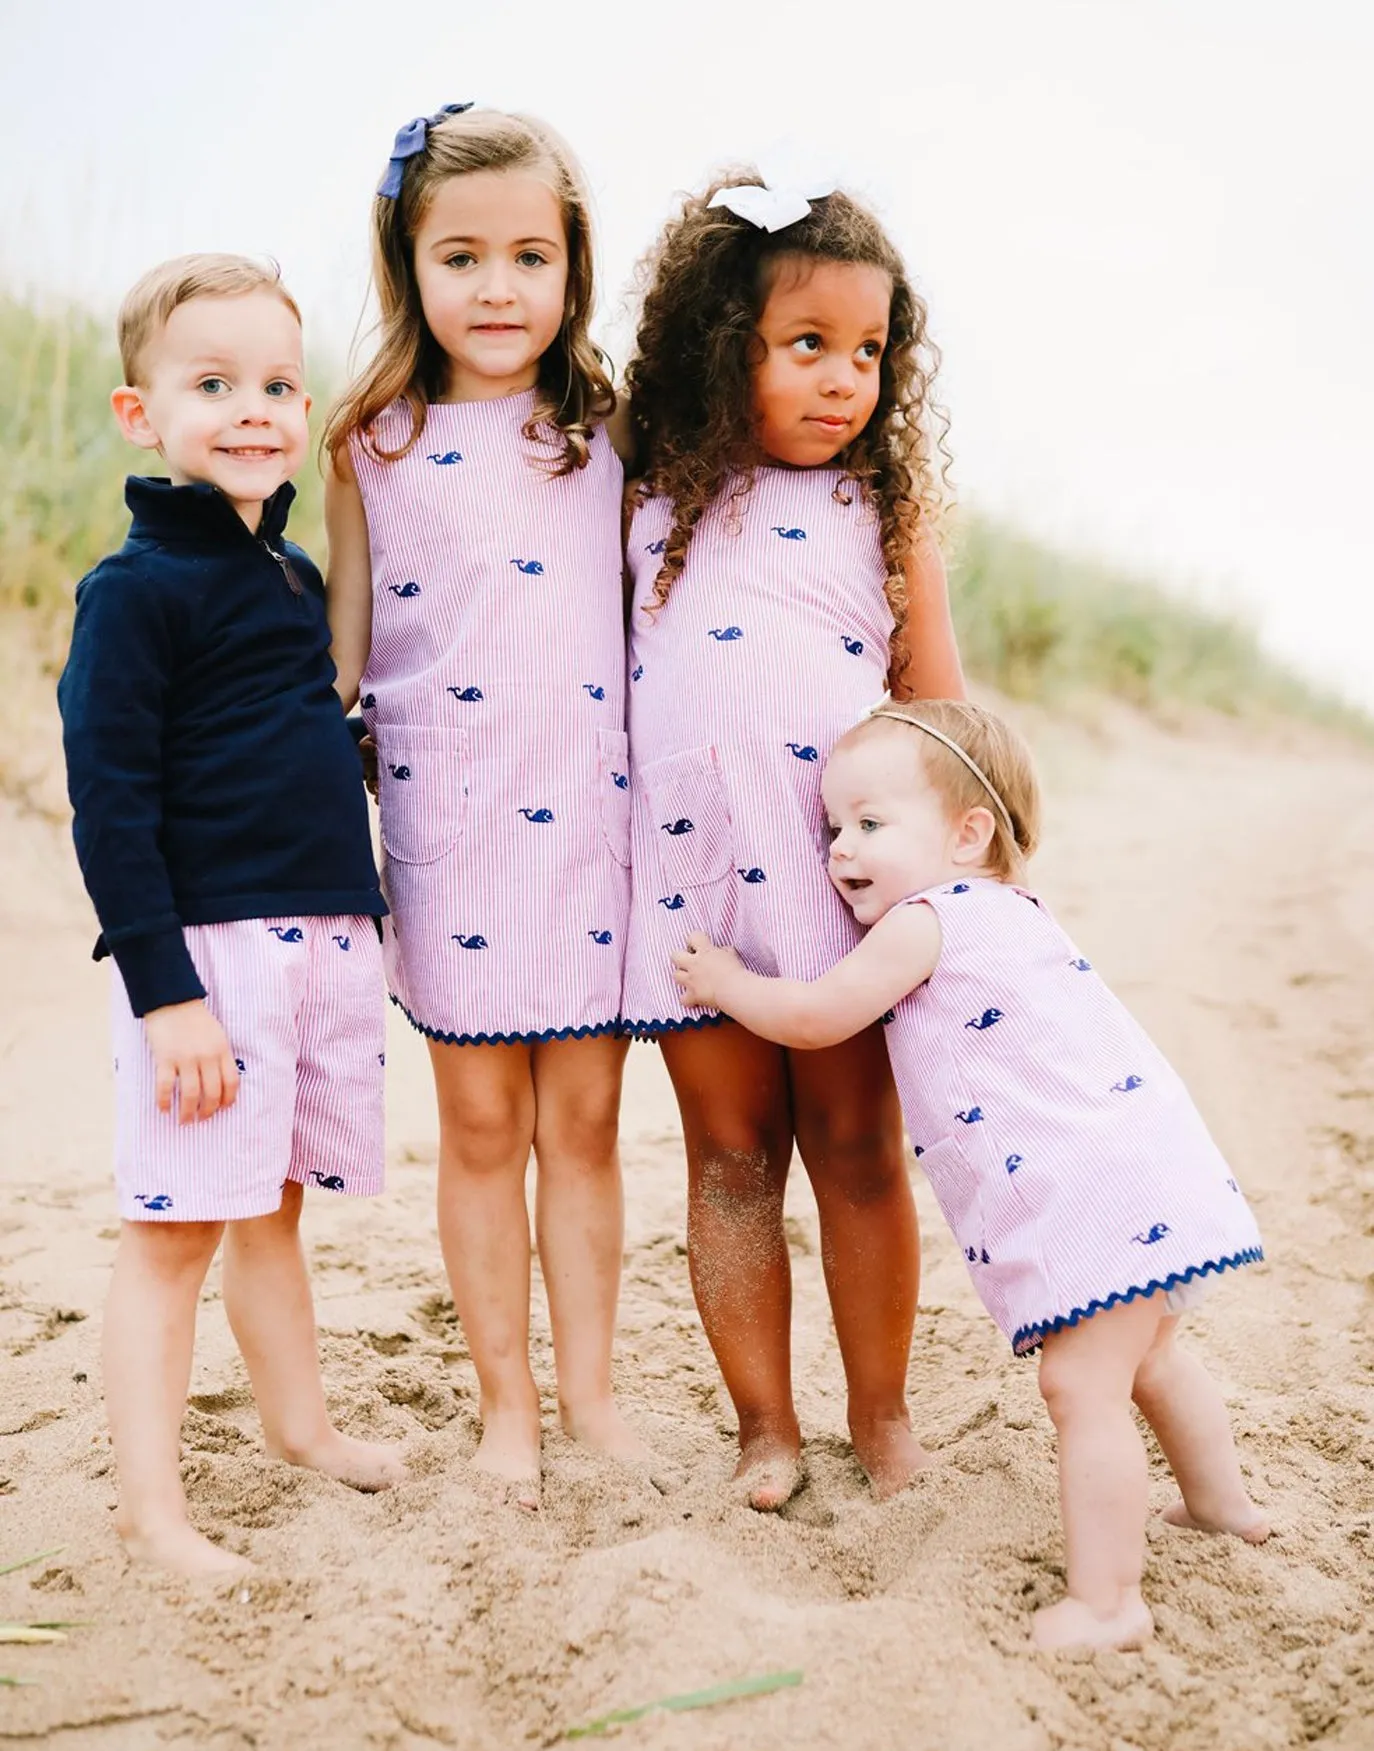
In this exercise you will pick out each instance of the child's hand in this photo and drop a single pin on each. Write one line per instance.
(701, 969)
(190, 1047)
(367, 753)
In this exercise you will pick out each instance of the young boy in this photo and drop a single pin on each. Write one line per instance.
(222, 832)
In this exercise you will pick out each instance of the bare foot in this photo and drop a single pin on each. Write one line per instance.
(770, 1470)
(176, 1546)
(1247, 1521)
(363, 1465)
(509, 1452)
(602, 1428)
(1072, 1624)
(890, 1455)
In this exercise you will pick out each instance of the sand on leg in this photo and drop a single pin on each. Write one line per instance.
(1087, 1372)
(486, 1130)
(148, 1339)
(849, 1133)
(732, 1093)
(267, 1298)
(1183, 1405)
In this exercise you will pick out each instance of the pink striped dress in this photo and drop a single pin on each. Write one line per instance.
(773, 641)
(495, 692)
(1068, 1159)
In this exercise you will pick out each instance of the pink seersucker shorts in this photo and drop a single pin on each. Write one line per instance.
(302, 1001)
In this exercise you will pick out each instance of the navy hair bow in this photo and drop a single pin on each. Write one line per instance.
(410, 141)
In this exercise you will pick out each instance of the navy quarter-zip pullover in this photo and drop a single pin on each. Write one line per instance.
(208, 762)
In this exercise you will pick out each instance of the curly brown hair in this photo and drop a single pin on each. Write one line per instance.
(704, 287)
(574, 389)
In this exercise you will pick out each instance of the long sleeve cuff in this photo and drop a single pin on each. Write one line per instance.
(156, 968)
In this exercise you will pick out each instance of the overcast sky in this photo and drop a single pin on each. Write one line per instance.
(1143, 226)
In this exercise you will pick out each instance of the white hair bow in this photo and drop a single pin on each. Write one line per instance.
(771, 209)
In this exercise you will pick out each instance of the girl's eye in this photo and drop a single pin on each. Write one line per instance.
(280, 389)
(832, 831)
(868, 825)
(808, 345)
(463, 258)
(530, 258)
(872, 349)
(212, 385)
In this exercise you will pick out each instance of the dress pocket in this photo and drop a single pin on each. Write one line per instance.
(958, 1192)
(613, 791)
(691, 817)
(423, 776)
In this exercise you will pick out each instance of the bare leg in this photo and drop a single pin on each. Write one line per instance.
(732, 1092)
(1086, 1376)
(486, 1128)
(580, 1224)
(1179, 1400)
(849, 1132)
(267, 1299)
(150, 1328)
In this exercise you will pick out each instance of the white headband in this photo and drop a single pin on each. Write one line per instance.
(917, 723)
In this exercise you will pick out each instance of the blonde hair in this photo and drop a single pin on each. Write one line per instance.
(998, 751)
(148, 305)
(574, 388)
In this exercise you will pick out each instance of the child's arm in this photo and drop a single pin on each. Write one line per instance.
(348, 583)
(620, 431)
(897, 955)
(925, 657)
(113, 696)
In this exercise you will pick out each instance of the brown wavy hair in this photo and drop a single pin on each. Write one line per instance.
(703, 288)
(574, 388)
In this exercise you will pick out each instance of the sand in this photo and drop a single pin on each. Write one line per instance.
(1224, 883)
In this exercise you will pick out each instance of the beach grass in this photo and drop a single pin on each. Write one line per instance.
(1033, 622)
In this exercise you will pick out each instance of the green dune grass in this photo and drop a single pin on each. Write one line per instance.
(1035, 623)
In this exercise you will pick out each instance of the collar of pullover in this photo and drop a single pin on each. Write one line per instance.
(200, 512)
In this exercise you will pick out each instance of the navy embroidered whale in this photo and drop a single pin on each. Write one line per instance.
(977, 1255)
(531, 567)
(751, 875)
(657, 546)
(972, 1117)
(989, 1018)
(620, 780)
(368, 702)
(292, 933)
(803, 750)
(887, 1018)
(855, 646)
(1081, 966)
(331, 1182)
(405, 590)
(540, 817)
(1156, 1231)
(1131, 1082)
(159, 1201)
(958, 888)
(344, 942)
(470, 941)
(1013, 1162)
(467, 695)
(918, 1148)
(727, 634)
(601, 936)
(789, 534)
(637, 672)
(240, 1066)
(447, 458)
(678, 828)
(673, 902)
(595, 691)
(399, 773)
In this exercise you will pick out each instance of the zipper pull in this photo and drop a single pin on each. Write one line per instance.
(287, 572)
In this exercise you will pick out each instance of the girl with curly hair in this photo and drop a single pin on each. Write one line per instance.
(473, 507)
(785, 572)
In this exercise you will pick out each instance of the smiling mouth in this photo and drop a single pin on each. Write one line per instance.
(249, 452)
(856, 884)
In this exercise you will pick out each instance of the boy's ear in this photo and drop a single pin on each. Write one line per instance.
(975, 834)
(133, 417)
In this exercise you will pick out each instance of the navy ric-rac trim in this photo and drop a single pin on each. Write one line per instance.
(1030, 1337)
(650, 1030)
(553, 1033)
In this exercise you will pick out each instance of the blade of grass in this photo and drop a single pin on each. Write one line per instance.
(15, 1683)
(26, 1562)
(729, 1692)
(29, 1633)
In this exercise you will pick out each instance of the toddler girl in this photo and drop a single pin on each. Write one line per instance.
(784, 571)
(475, 596)
(1076, 1174)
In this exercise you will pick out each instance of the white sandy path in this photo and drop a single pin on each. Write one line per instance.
(1225, 885)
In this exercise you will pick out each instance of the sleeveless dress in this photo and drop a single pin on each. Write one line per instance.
(495, 692)
(1068, 1159)
(773, 642)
